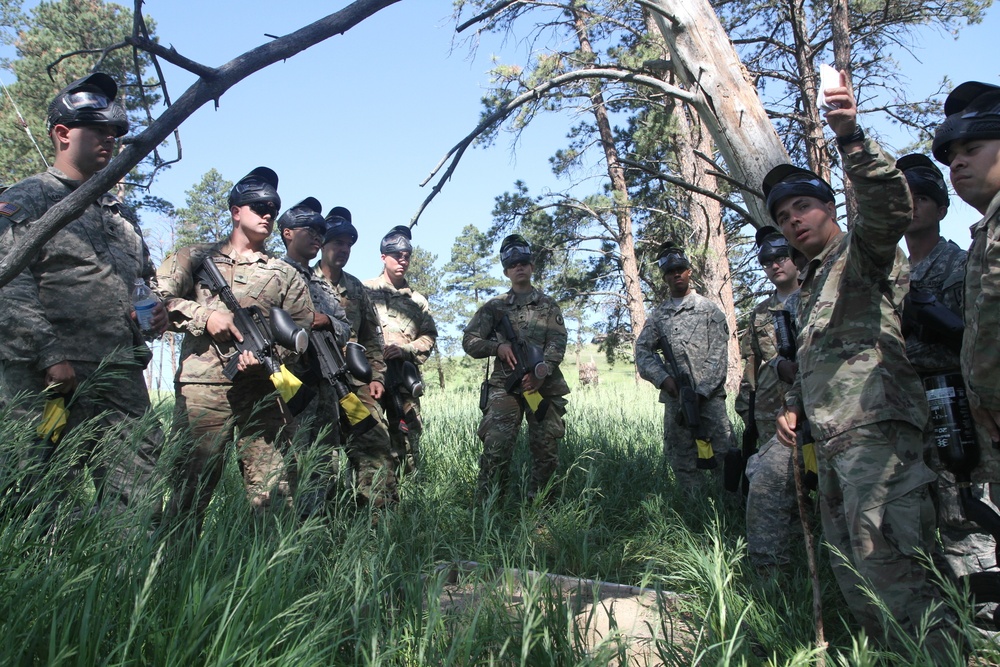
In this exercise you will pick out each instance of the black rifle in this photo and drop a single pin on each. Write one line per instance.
(689, 414)
(530, 359)
(260, 338)
(784, 331)
(932, 321)
(327, 361)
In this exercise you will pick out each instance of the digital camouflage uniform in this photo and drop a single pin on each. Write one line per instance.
(406, 321)
(537, 320)
(370, 453)
(698, 334)
(213, 409)
(966, 547)
(980, 358)
(321, 415)
(866, 404)
(772, 508)
(73, 303)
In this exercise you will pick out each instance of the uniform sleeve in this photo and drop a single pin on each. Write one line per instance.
(370, 337)
(748, 383)
(25, 333)
(419, 349)
(341, 325)
(174, 284)
(478, 338)
(884, 205)
(555, 337)
(649, 364)
(716, 363)
(983, 366)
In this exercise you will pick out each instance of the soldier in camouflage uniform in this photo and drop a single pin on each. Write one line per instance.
(209, 407)
(370, 453)
(864, 401)
(772, 510)
(698, 334)
(409, 333)
(537, 320)
(70, 310)
(937, 270)
(302, 229)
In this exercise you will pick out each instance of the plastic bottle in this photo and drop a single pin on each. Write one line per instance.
(143, 300)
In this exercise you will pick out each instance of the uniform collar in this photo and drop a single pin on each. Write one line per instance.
(256, 257)
(815, 263)
(990, 212)
(381, 282)
(513, 298)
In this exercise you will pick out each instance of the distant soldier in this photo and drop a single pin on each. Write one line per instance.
(409, 333)
(302, 230)
(208, 405)
(696, 333)
(537, 394)
(70, 309)
(370, 453)
(864, 402)
(772, 510)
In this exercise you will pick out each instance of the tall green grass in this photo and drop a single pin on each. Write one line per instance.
(89, 588)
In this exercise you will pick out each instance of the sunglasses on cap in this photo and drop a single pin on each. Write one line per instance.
(86, 99)
(673, 257)
(263, 208)
(514, 251)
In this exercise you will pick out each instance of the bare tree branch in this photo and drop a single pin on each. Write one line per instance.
(203, 90)
(680, 182)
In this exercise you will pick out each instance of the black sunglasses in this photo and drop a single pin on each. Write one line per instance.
(263, 208)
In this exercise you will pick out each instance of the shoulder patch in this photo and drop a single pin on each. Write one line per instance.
(559, 319)
(8, 209)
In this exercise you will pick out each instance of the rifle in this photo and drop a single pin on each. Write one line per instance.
(327, 360)
(689, 414)
(932, 321)
(530, 359)
(784, 331)
(261, 339)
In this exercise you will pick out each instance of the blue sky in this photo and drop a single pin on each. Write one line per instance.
(362, 118)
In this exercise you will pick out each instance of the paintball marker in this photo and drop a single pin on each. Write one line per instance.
(530, 359)
(689, 414)
(933, 321)
(328, 361)
(784, 331)
(401, 377)
(261, 339)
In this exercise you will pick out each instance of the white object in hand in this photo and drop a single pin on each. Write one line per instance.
(828, 78)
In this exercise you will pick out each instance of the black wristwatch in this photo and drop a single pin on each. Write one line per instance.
(857, 137)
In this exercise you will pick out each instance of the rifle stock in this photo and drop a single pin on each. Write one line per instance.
(530, 359)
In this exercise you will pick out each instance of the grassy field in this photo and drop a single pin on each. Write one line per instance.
(332, 590)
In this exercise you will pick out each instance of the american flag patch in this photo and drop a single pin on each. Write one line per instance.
(8, 209)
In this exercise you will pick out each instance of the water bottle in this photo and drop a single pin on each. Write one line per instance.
(143, 300)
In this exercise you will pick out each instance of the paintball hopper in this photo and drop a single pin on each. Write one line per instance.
(287, 333)
(411, 380)
(357, 362)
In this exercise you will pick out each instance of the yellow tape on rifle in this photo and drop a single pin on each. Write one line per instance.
(705, 450)
(286, 383)
(809, 457)
(533, 399)
(354, 409)
(54, 418)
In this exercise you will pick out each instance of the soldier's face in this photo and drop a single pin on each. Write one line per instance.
(396, 264)
(807, 222)
(337, 251)
(90, 148)
(253, 225)
(520, 273)
(927, 215)
(975, 171)
(678, 280)
(780, 271)
(302, 242)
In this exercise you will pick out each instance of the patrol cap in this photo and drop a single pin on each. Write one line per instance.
(787, 180)
(338, 223)
(307, 213)
(259, 186)
(88, 101)
(771, 245)
(515, 249)
(972, 111)
(397, 240)
(924, 177)
(670, 256)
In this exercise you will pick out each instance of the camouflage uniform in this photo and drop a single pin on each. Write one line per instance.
(406, 321)
(211, 407)
(866, 404)
(966, 547)
(538, 320)
(370, 453)
(772, 508)
(324, 410)
(698, 334)
(73, 303)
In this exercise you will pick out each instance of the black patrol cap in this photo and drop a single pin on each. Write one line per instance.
(670, 256)
(338, 223)
(787, 180)
(515, 249)
(259, 186)
(88, 101)
(972, 111)
(771, 245)
(397, 240)
(307, 213)
(924, 177)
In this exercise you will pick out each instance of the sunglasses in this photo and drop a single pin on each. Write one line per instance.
(263, 208)
(85, 99)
